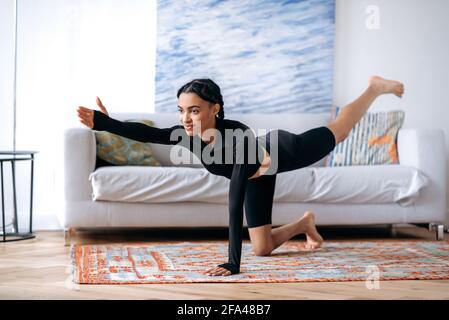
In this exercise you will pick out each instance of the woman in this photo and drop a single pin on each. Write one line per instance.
(252, 183)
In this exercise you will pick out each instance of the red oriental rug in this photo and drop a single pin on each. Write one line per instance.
(184, 262)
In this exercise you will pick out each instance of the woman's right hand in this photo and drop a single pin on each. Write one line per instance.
(86, 115)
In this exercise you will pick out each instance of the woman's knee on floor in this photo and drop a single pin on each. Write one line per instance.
(262, 251)
(261, 240)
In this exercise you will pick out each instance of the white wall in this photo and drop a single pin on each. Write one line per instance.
(6, 74)
(70, 51)
(6, 90)
(411, 45)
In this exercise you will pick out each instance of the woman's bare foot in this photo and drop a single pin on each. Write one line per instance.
(383, 86)
(314, 240)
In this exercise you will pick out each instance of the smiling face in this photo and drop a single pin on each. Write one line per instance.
(196, 114)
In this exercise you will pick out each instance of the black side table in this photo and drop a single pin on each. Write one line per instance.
(13, 156)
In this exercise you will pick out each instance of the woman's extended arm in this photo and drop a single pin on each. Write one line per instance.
(101, 121)
(137, 131)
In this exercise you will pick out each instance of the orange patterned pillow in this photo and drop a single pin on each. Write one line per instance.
(372, 140)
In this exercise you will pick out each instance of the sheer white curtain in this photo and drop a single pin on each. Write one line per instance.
(69, 51)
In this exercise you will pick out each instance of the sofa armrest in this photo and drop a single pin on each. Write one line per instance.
(425, 149)
(79, 163)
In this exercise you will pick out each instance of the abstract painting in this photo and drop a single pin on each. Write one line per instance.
(266, 56)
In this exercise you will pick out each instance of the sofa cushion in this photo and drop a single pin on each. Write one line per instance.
(157, 184)
(357, 184)
(352, 184)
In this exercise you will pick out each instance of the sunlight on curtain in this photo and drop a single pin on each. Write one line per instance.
(69, 51)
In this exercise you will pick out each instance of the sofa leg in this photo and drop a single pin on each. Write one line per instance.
(439, 230)
(393, 230)
(68, 233)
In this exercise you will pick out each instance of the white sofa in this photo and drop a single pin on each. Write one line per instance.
(186, 195)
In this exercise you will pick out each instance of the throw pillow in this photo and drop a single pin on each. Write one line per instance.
(372, 141)
(122, 151)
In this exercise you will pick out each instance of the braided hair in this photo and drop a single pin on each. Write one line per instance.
(207, 90)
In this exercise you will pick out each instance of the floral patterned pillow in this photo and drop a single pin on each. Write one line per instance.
(121, 151)
(372, 141)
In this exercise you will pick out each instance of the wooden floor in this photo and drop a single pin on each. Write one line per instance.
(38, 269)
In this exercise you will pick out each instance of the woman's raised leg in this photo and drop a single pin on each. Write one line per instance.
(353, 112)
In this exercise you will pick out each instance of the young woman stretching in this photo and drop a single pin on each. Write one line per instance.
(204, 131)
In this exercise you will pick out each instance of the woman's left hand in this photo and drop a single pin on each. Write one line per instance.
(217, 271)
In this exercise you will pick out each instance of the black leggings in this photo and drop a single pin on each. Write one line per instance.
(298, 150)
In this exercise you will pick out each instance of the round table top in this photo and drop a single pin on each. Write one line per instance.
(17, 155)
(21, 152)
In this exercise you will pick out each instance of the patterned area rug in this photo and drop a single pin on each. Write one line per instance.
(184, 262)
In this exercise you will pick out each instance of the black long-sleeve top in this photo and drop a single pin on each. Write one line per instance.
(236, 155)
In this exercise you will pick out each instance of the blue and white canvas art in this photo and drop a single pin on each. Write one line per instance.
(266, 56)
